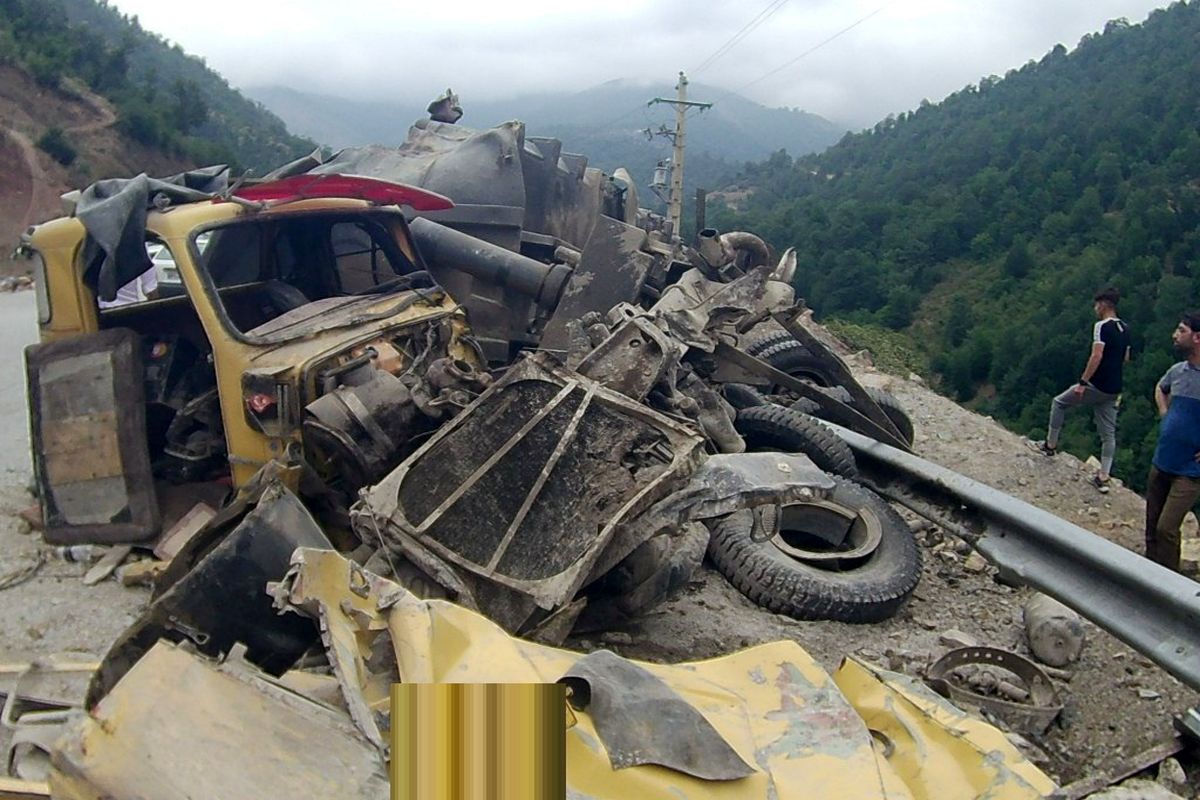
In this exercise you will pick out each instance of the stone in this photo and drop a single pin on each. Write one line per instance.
(141, 573)
(1172, 777)
(1136, 789)
(33, 516)
(1189, 556)
(975, 563)
(1148, 694)
(616, 637)
(956, 638)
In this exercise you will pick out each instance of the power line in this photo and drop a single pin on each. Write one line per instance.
(812, 49)
(745, 31)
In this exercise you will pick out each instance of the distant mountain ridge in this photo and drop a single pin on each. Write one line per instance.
(606, 123)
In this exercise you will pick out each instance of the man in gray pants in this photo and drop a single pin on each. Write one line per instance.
(1099, 386)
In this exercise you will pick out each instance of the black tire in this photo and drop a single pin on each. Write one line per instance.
(741, 395)
(774, 427)
(886, 401)
(869, 590)
(790, 356)
(757, 342)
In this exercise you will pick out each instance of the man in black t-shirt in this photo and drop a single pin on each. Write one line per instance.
(1099, 386)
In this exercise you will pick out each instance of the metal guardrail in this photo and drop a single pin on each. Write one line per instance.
(1147, 606)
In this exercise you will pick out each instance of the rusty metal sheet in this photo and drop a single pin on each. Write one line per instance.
(223, 599)
(88, 432)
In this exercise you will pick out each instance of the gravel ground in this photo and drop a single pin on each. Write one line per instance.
(1117, 702)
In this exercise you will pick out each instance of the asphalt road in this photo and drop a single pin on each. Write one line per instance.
(18, 328)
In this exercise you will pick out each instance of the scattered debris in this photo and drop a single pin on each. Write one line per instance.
(107, 564)
(977, 676)
(80, 553)
(182, 531)
(1055, 632)
(957, 639)
(975, 563)
(141, 573)
(32, 515)
(22, 574)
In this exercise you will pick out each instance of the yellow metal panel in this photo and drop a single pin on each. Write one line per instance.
(940, 751)
(177, 727)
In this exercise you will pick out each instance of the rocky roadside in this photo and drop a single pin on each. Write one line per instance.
(1117, 702)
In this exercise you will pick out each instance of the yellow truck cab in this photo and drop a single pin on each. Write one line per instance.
(303, 329)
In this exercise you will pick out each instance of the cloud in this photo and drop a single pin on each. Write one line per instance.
(911, 50)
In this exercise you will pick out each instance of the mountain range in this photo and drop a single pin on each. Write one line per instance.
(608, 123)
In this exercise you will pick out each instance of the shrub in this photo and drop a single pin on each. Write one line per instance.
(54, 143)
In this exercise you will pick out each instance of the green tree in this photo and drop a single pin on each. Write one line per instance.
(1019, 260)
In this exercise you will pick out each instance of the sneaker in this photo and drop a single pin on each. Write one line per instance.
(1043, 448)
(1101, 484)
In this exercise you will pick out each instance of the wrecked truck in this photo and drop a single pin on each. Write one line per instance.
(552, 442)
(515, 398)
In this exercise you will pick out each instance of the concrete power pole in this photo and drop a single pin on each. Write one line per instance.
(679, 137)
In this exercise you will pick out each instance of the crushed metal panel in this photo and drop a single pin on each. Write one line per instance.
(723, 484)
(641, 720)
(612, 270)
(345, 600)
(88, 434)
(179, 726)
(523, 490)
(973, 759)
(223, 599)
(772, 704)
(780, 712)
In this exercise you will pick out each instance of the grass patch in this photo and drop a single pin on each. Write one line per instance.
(892, 351)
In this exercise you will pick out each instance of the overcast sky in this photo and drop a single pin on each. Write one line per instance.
(904, 50)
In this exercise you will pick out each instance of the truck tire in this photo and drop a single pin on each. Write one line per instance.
(869, 589)
(741, 395)
(775, 427)
(886, 401)
(788, 355)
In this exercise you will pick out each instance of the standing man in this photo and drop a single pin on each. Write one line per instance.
(1174, 482)
(1099, 386)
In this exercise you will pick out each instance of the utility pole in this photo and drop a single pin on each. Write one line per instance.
(682, 104)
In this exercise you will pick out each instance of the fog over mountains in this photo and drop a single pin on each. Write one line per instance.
(607, 123)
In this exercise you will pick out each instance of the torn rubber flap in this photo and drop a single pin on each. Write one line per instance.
(641, 720)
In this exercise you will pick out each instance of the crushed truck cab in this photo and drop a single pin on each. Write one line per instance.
(307, 332)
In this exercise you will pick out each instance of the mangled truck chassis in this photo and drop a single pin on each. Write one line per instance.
(568, 490)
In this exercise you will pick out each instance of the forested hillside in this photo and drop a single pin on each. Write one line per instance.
(980, 227)
(164, 98)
